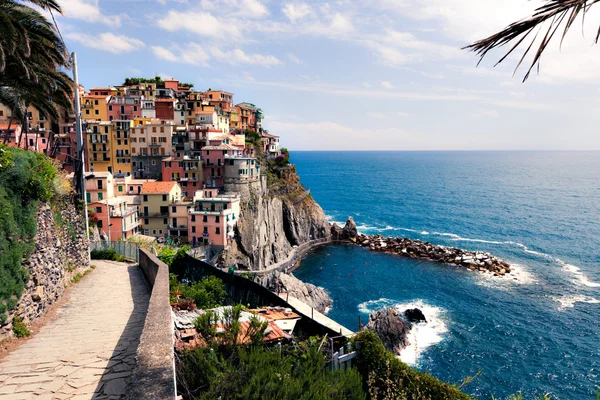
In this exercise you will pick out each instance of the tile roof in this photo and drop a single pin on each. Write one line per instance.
(157, 187)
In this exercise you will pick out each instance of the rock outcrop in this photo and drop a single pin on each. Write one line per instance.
(391, 328)
(348, 232)
(314, 296)
(476, 261)
(61, 251)
(274, 218)
(415, 315)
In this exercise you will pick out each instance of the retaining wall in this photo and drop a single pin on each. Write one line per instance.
(154, 375)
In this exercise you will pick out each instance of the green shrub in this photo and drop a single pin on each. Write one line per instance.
(386, 377)
(76, 278)
(258, 372)
(206, 293)
(26, 178)
(19, 328)
(106, 254)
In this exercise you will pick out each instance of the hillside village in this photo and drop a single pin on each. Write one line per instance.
(161, 159)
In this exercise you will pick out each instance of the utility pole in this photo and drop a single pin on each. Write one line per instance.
(80, 162)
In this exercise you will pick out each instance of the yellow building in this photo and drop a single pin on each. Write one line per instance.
(99, 152)
(121, 147)
(95, 107)
(156, 199)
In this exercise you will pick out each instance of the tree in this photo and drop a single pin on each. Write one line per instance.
(557, 12)
(31, 55)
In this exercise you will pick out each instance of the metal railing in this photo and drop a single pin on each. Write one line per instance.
(125, 249)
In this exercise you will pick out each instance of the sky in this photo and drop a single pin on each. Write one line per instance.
(353, 75)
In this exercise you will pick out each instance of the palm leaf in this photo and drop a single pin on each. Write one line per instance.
(553, 12)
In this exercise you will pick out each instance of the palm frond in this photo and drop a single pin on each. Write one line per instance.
(554, 12)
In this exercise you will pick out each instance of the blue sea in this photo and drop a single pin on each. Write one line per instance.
(537, 331)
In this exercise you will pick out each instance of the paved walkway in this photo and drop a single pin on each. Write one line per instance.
(309, 312)
(88, 351)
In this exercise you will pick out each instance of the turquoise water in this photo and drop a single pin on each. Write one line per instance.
(538, 331)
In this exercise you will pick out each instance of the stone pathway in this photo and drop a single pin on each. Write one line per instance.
(89, 350)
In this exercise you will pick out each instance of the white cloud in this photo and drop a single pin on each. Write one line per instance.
(201, 23)
(89, 11)
(386, 85)
(205, 55)
(253, 8)
(296, 11)
(293, 58)
(366, 84)
(107, 42)
(163, 53)
(334, 136)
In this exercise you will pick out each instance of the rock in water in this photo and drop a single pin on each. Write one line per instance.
(391, 328)
(336, 231)
(310, 294)
(415, 315)
(350, 231)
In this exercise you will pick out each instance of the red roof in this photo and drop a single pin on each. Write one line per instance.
(158, 187)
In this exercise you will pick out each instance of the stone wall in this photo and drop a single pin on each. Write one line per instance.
(154, 374)
(61, 251)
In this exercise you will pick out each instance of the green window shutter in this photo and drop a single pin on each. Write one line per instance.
(88, 197)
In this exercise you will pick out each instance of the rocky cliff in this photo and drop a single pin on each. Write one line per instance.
(277, 213)
(61, 251)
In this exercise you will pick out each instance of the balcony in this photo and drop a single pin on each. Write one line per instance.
(178, 227)
(154, 144)
(155, 215)
(123, 213)
(134, 225)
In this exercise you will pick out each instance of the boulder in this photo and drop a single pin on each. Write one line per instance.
(415, 315)
(310, 294)
(350, 231)
(336, 231)
(391, 329)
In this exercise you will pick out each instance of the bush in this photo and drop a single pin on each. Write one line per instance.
(386, 377)
(26, 178)
(258, 372)
(106, 254)
(206, 293)
(19, 328)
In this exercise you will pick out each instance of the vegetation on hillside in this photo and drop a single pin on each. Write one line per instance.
(26, 178)
(385, 377)
(255, 372)
(136, 81)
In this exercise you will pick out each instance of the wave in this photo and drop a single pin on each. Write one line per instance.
(422, 335)
(580, 277)
(569, 301)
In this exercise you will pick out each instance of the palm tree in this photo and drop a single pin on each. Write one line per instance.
(557, 12)
(31, 55)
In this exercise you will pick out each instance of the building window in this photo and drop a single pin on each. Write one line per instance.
(120, 188)
(193, 218)
(193, 229)
(164, 197)
(99, 196)
(154, 231)
(217, 219)
(96, 112)
(88, 197)
(98, 209)
(204, 218)
(146, 221)
(145, 197)
(174, 209)
(99, 224)
(160, 231)
(218, 231)
(153, 162)
(165, 221)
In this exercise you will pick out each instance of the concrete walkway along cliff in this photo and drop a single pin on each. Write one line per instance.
(89, 349)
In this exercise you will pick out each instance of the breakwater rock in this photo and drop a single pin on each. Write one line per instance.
(477, 261)
(391, 328)
(314, 296)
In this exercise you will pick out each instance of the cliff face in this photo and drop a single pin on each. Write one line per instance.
(277, 214)
(61, 251)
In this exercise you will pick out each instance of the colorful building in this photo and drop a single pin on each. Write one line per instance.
(178, 219)
(150, 143)
(213, 163)
(115, 218)
(99, 186)
(156, 199)
(95, 107)
(124, 108)
(184, 170)
(211, 221)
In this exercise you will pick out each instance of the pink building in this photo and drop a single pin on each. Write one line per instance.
(211, 221)
(213, 163)
(184, 170)
(115, 218)
(124, 108)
